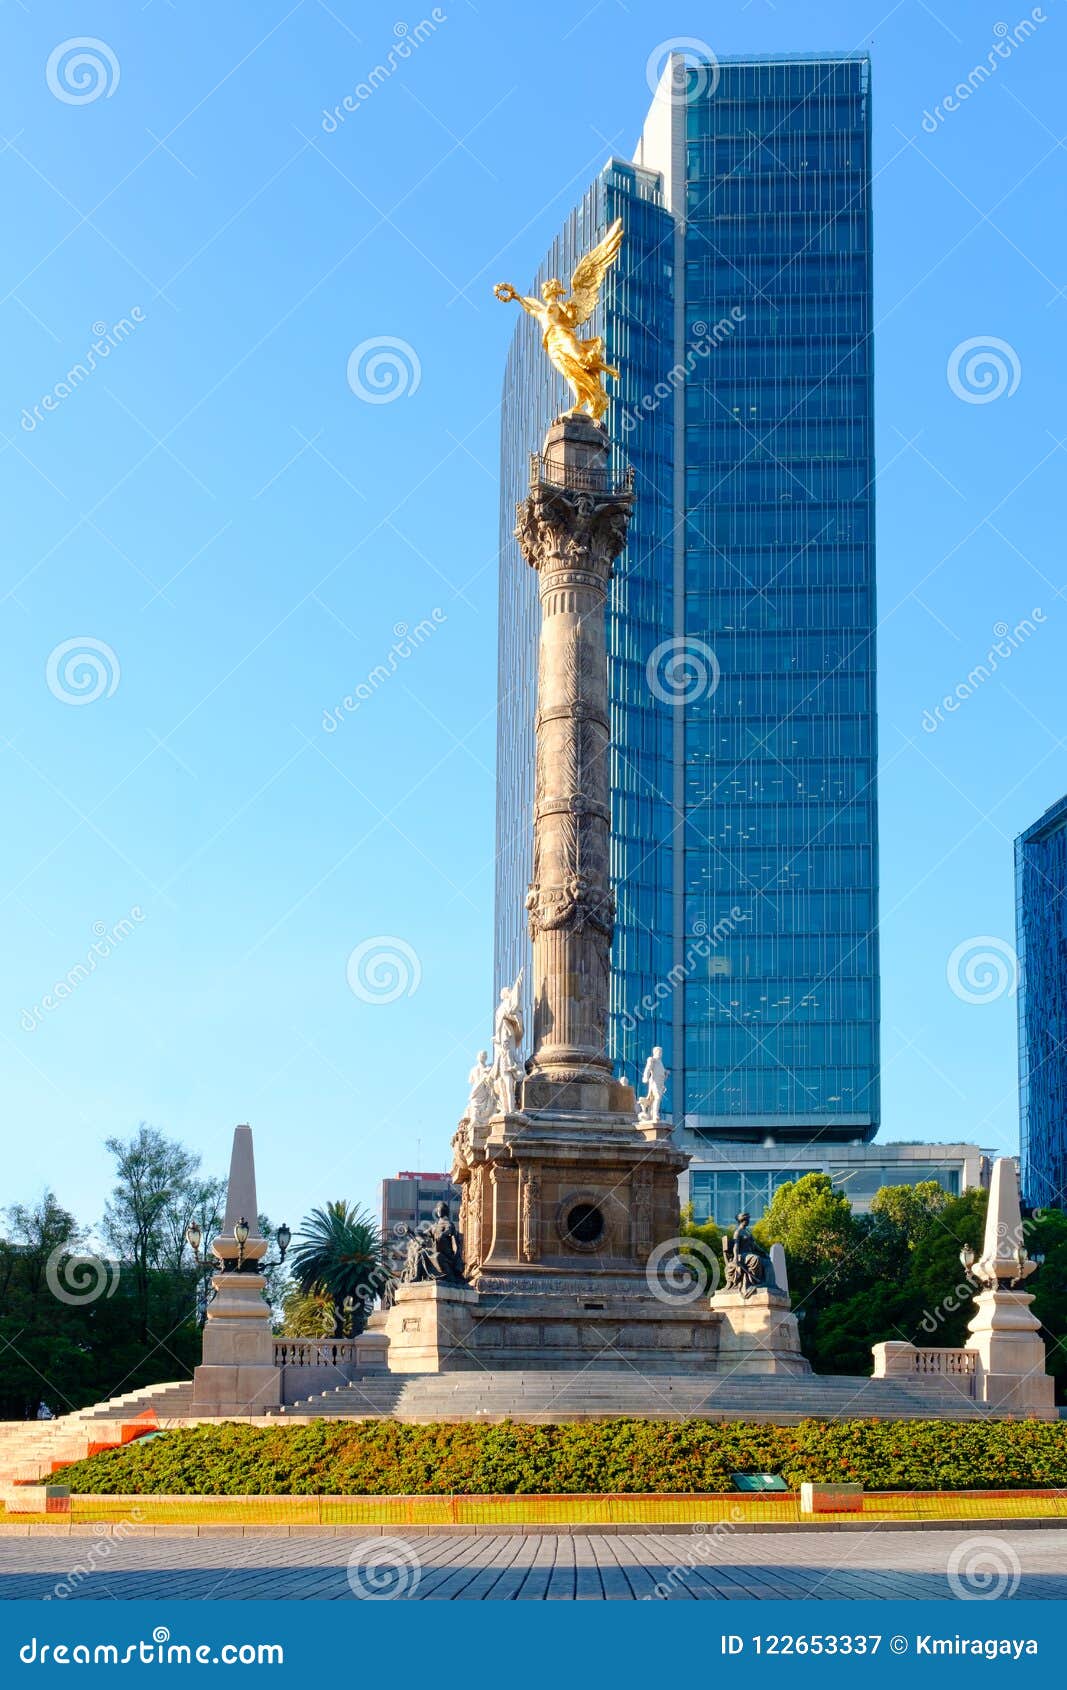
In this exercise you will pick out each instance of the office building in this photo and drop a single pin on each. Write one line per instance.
(741, 621)
(1041, 941)
(723, 1179)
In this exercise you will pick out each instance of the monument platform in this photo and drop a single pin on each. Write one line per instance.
(595, 1392)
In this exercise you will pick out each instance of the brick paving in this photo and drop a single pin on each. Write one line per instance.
(820, 1565)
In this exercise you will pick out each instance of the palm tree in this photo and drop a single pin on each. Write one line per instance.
(338, 1253)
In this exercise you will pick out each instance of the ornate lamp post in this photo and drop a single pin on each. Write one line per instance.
(283, 1238)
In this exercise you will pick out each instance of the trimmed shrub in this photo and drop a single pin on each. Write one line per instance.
(389, 1458)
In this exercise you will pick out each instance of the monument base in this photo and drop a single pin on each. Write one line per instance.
(1006, 1338)
(231, 1391)
(759, 1333)
(429, 1328)
(238, 1374)
(547, 1323)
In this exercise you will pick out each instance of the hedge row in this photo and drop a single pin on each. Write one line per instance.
(388, 1458)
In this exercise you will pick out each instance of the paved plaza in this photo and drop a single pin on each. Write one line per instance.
(819, 1565)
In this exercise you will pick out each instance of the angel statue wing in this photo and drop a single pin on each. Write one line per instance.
(590, 272)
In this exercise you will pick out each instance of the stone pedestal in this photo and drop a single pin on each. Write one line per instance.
(759, 1333)
(237, 1374)
(429, 1329)
(567, 1222)
(1006, 1338)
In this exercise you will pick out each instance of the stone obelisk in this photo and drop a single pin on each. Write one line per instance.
(571, 527)
(237, 1375)
(1004, 1332)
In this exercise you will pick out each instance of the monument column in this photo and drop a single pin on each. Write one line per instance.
(571, 527)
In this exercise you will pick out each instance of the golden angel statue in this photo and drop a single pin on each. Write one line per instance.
(579, 362)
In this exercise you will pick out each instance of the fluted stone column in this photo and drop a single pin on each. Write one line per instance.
(571, 527)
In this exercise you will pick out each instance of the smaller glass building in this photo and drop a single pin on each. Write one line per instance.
(729, 1178)
(1041, 941)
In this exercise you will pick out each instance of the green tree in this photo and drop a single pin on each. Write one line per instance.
(911, 1209)
(338, 1252)
(306, 1314)
(153, 1180)
(941, 1297)
(821, 1236)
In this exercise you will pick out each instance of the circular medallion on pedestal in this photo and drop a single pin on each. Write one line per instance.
(582, 1222)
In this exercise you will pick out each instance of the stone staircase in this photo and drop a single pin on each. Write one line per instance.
(593, 1395)
(167, 1402)
(31, 1449)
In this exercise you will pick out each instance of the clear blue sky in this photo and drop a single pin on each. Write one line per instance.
(215, 505)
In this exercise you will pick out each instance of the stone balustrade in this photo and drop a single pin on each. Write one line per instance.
(899, 1361)
(314, 1352)
(310, 1366)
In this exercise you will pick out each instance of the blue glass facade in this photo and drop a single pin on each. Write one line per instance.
(1041, 940)
(744, 800)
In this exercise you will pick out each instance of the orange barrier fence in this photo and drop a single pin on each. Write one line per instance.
(726, 1512)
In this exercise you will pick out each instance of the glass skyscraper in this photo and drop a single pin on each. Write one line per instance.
(1041, 940)
(741, 624)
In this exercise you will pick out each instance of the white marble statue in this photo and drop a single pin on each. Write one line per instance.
(508, 1031)
(655, 1078)
(482, 1095)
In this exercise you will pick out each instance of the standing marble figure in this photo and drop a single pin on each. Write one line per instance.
(655, 1078)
